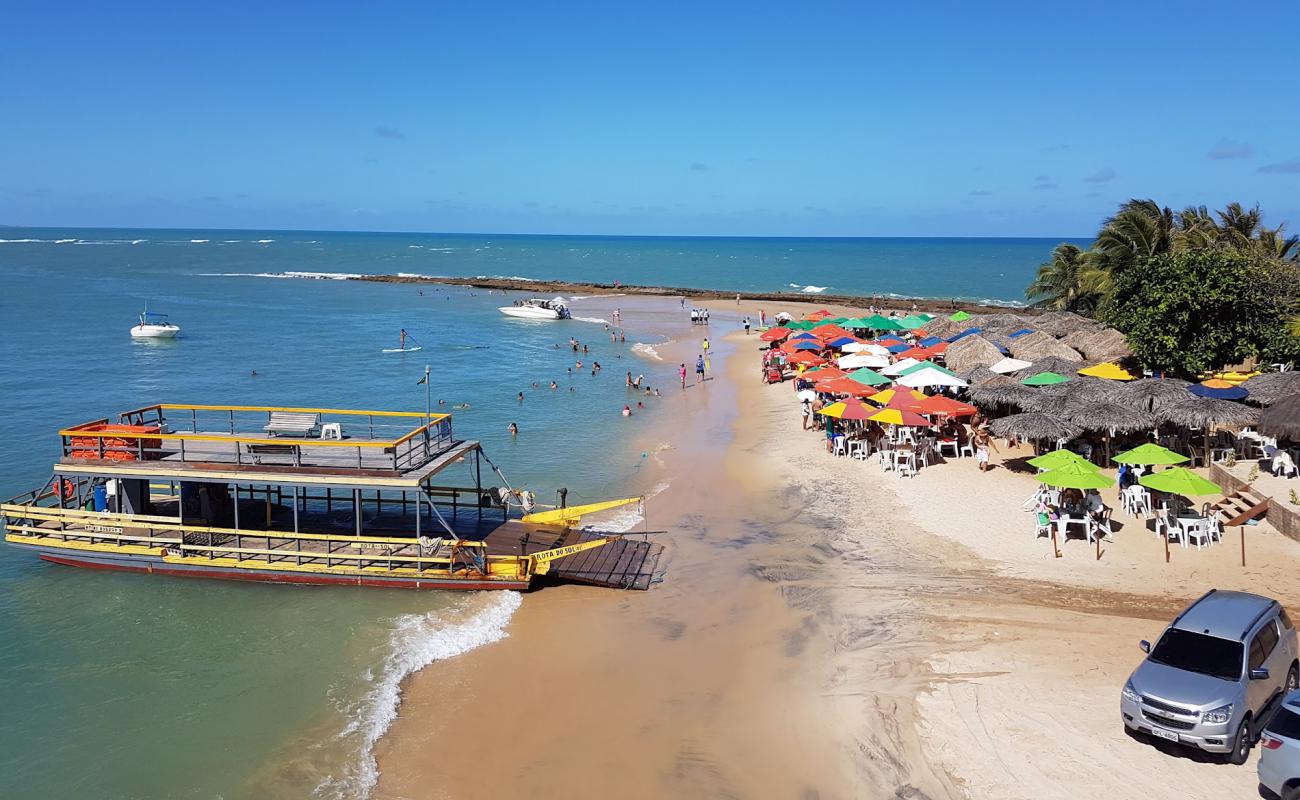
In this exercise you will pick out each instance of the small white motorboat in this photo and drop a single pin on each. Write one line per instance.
(537, 308)
(154, 326)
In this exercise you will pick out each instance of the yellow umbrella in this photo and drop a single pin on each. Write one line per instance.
(1110, 371)
(897, 416)
(883, 398)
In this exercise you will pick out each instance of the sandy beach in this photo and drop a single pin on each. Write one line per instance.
(824, 630)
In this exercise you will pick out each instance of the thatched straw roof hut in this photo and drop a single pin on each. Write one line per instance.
(1034, 426)
(1098, 390)
(1099, 344)
(1060, 366)
(1038, 345)
(1011, 322)
(977, 375)
(1062, 323)
(945, 328)
(994, 393)
(1205, 412)
(1282, 419)
(970, 352)
(1103, 416)
(1272, 387)
(1150, 394)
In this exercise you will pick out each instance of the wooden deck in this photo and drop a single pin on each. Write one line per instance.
(623, 564)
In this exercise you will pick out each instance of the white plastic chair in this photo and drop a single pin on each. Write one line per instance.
(1194, 531)
(950, 444)
(905, 462)
(967, 449)
(858, 449)
(839, 448)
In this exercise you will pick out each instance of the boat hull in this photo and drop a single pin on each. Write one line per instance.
(529, 312)
(155, 331)
(120, 562)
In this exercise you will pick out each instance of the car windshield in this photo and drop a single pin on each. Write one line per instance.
(1199, 652)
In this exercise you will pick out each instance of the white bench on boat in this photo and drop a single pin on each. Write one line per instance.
(292, 423)
(260, 451)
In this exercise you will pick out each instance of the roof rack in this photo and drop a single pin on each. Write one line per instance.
(1257, 618)
(1190, 607)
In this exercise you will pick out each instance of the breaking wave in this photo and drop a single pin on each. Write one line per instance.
(647, 350)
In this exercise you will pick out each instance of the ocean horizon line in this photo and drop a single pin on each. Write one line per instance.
(697, 236)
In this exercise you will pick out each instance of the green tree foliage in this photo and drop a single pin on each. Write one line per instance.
(1197, 310)
(1071, 281)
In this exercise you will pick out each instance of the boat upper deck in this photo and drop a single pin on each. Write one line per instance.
(264, 443)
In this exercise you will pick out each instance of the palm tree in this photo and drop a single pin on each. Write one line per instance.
(1139, 230)
(1274, 243)
(1069, 282)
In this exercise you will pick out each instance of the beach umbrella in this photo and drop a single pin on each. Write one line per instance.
(1059, 458)
(805, 344)
(899, 348)
(1044, 379)
(917, 367)
(842, 341)
(804, 335)
(1020, 332)
(807, 359)
(774, 334)
(1009, 365)
(855, 322)
(905, 401)
(960, 316)
(1272, 387)
(880, 323)
(1181, 481)
(850, 410)
(898, 367)
(1149, 454)
(896, 416)
(869, 377)
(912, 321)
(1109, 371)
(802, 325)
(964, 334)
(883, 398)
(1219, 390)
(824, 372)
(856, 360)
(866, 347)
(930, 341)
(945, 406)
(930, 376)
(844, 386)
(1151, 394)
(806, 394)
(819, 314)
(1075, 476)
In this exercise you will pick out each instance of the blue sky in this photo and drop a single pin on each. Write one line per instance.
(830, 118)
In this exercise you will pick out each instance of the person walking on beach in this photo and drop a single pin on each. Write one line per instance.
(762, 318)
(746, 326)
(699, 369)
(681, 372)
(737, 298)
(983, 442)
(706, 345)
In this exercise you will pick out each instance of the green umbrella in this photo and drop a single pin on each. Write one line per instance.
(1060, 458)
(869, 377)
(1150, 453)
(1044, 379)
(880, 323)
(960, 316)
(912, 322)
(1075, 476)
(855, 322)
(801, 326)
(917, 367)
(835, 321)
(1180, 480)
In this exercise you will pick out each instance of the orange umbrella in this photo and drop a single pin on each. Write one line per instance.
(946, 406)
(825, 373)
(807, 359)
(844, 386)
(775, 334)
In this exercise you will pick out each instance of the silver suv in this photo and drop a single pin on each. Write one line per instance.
(1213, 676)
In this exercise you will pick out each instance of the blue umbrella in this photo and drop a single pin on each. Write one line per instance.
(843, 340)
(804, 335)
(1217, 391)
(1020, 332)
(898, 348)
(930, 341)
(964, 334)
(807, 346)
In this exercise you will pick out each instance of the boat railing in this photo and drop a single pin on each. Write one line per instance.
(252, 547)
(250, 435)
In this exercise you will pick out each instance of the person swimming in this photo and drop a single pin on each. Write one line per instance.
(514, 429)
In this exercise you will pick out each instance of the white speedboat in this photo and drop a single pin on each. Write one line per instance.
(537, 308)
(154, 326)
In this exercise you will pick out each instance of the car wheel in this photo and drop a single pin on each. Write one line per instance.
(1291, 793)
(1241, 744)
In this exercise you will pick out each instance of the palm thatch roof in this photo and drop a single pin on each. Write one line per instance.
(994, 393)
(945, 328)
(1003, 320)
(1038, 345)
(1272, 387)
(1282, 419)
(1099, 344)
(1060, 366)
(1062, 323)
(1034, 426)
(1152, 394)
(1104, 416)
(1206, 412)
(977, 375)
(1099, 390)
(970, 352)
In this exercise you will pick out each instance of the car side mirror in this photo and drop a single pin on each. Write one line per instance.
(1145, 645)
(1259, 674)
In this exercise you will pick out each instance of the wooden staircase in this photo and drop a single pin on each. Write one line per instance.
(1240, 507)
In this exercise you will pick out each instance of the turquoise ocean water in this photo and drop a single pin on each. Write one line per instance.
(120, 686)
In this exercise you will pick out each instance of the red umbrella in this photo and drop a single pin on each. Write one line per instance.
(807, 359)
(844, 386)
(825, 373)
(945, 406)
(775, 334)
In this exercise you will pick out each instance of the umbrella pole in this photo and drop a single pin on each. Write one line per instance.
(1242, 528)
(1056, 551)
(1166, 538)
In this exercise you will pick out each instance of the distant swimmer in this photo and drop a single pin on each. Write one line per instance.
(521, 397)
(442, 402)
(554, 385)
(253, 374)
(627, 411)
(514, 429)
(462, 406)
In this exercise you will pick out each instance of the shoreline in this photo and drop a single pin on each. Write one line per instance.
(785, 298)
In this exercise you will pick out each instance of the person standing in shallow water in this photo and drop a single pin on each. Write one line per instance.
(682, 372)
(699, 369)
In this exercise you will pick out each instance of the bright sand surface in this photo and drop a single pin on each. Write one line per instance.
(824, 630)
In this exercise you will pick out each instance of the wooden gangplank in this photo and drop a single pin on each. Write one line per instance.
(627, 563)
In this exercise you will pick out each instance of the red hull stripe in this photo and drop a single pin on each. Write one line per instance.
(317, 580)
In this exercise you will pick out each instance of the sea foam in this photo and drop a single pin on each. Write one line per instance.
(416, 641)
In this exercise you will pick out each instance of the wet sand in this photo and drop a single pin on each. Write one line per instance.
(824, 630)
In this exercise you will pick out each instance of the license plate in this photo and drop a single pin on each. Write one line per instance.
(1164, 734)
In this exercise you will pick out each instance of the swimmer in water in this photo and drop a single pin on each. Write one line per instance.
(514, 429)
(521, 397)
